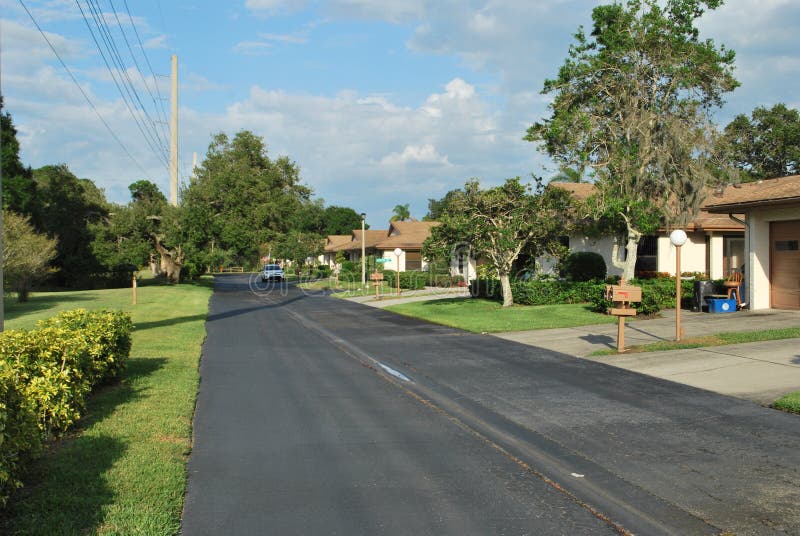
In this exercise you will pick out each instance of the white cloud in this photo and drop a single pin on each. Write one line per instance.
(156, 43)
(285, 38)
(421, 154)
(253, 48)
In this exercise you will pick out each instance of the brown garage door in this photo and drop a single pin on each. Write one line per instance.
(785, 263)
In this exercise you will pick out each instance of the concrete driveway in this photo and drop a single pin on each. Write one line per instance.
(760, 371)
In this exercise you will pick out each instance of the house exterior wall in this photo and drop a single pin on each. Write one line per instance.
(469, 267)
(757, 248)
(693, 254)
(602, 245)
(392, 264)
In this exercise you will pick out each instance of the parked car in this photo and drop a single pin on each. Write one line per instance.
(272, 272)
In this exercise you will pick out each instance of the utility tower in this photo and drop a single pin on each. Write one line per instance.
(173, 145)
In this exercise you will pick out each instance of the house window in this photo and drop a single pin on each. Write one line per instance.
(787, 245)
(413, 260)
(732, 254)
(647, 255)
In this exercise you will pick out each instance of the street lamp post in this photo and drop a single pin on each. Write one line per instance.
(678, 238)
(398, 252)
(363, 252)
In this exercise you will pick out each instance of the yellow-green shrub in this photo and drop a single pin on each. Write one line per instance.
(108, 334)
(20, 438)
(45, 376)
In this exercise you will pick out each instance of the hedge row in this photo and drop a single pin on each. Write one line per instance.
(657, 294)
(45, 376)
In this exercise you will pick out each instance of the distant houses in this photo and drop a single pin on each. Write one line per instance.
(407, 236)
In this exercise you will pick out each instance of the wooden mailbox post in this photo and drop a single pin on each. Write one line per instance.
(377, 279)
(622, 295)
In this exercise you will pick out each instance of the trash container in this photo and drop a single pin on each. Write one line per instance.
(701, 290)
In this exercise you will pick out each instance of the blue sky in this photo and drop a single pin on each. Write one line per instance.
(380, 102)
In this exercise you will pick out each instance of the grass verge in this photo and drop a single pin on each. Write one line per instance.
(487, 316)
(718, 339)
(790, 403)
(123, 469)
(345, 289)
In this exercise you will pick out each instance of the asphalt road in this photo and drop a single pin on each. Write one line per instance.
(318, 416)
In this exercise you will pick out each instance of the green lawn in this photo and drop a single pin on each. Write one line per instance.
(346, 289)
(790, 402)
(123, 470)
(488, 316)
(718, 339)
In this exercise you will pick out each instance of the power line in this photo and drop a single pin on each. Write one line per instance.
(136, 63)
(160, 108)
(85, 96)
(113, 54)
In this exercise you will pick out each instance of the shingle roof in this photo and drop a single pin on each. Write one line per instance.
(334, 241)
(407, 234)
(353, 242)
(580, 190)
(737, 197)
(703, 221)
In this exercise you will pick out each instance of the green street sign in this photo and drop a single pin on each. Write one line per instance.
(383, 260)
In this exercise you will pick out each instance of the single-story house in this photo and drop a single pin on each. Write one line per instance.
(332, 244)
(351, 245)
(406, 235)
(714, 246)
(771, 211)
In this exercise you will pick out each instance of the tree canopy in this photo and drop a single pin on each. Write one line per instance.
(401, 213)
(499, 223)
(240, 199)
(632, 103)
(765, 145)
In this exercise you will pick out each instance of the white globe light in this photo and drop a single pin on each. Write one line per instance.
(677, 237)
(398, 251)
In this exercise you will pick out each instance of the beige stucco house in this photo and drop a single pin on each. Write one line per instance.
(714, 246)
(772, 238)
(408, 236)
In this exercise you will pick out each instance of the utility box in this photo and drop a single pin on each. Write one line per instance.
(721, 305)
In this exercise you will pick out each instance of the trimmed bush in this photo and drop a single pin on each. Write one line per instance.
(657, 294)
(20, 439)
(583, 266)
(45, 376)
(486, 288)
(323, 271)
(554, 292)
(108, 334)
(409, 280)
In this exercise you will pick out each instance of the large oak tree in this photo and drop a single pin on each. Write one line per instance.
(632, 103)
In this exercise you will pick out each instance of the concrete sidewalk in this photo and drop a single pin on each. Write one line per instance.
(759, 371)
(408, 296)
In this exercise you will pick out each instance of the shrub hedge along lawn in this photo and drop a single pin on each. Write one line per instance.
(45, 377)
(657, 293)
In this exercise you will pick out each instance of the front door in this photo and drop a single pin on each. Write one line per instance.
(785, 264)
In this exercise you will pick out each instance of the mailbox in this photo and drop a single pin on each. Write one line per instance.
(622, 295)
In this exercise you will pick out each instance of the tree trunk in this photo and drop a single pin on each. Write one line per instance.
(505, 285)
(628, 266)
(171, 261)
